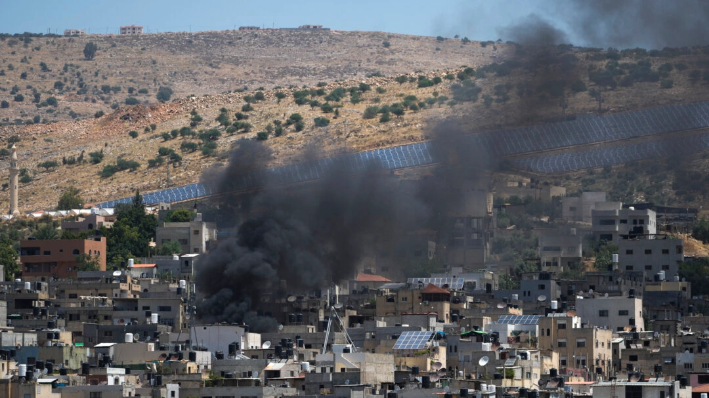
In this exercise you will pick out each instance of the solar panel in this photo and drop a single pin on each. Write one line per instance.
(519, 319)
(510, 361)
(413, 340)
(585, 129)
(446, 283)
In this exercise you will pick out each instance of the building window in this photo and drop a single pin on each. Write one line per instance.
(561, 343)
(666, 267)
(580, 343)
(633, 358)
(561, 325)
(629, 251)
(72, 295)
(195, 232)
(648, 251)
(648, 267)
(47, 253)
(76, 251)
(404, 299)
(562, 362)
(705, 365)
(622, 312)
(688, 366)
(107, 333)
(542, 287)
(628, 267)
(606, 222)
(94, 394)
(605, 237)
(164, 308)
(678, 249)
(665, 251)
(603, 313)
(624, 221)
(572, 208)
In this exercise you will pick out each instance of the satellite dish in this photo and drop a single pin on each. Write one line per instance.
(634, 378)
(291, 299)
(571, 372)
(442, 373)
(255, 373)
(397, 388)
(266, 345)
(590, 291)
(434, 378)
(280, 327)
(542, 298)
(462, 330)
(135, 337)
(121, 321)
(501, 305)
(116, 273)
(338, 306)
(347, 382)
(447, 389)
(147, 339)
(605, 295)
(358, 325)
(44, 371)
(437, 366)
(483, 361)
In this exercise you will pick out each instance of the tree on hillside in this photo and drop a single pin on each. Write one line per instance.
(87, 262)
(130, 234)
(70, 199)
(179, 215)
(90, 50)
(47, 232)
(8, 258)
(164, 94)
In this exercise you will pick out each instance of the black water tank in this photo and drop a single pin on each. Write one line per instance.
(62, 371)
(391, 394)
(346, 350)
(463, 392)
(299, 318)
(447, 395)
(158, 380)
(454, 317)
(127, 371)
(13, 353)
(629, 366)
(414, 370)
(533, 394)
(232, 349)
(658, 368)
(50, 368)
(85, 368)
(553, 372)
(148, 314)
(228, 375)
(39, 365)
(631, 293)
(193, 356)
(31, 360)
(522, 392)
(631, 321)
(425, 381)
(488, 288)
(291, 318)
(642, 377)
(682, 381)
(51, 324)
(301, 343)
(278, 350)
(29, 375)
(289, 352)
(35, 311)
(180, 356)
(219, 355)
(599, 370)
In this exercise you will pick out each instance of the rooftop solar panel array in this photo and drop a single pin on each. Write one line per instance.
(413, 340)
(447, 283)
(519, 319)
(585, 129)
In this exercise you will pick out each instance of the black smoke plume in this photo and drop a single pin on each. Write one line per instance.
(315, 234)
(535, 31)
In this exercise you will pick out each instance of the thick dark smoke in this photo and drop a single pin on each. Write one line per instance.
(313, 235)
(535, 31)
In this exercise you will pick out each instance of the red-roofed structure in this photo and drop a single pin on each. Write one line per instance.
(434, 293)
(362, 277)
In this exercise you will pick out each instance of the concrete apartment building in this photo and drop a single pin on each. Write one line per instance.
(651, 254)
(44, 259)
(578, 347)
(194, 237)
(132, 30)
(559, 252)
(652, 389)
(579, 208)
(74, 32)
(614, 313)
(86, 224)
(611, 222)
(170, 311)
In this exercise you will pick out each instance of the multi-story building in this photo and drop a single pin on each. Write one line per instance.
(651, 254)
(633, 389)
(194, 236)
(44, 259)
(614, 313)
(579, 208)
(612, 223)
(86, 224)
(559, 252)
(588, 348)
(132, 30)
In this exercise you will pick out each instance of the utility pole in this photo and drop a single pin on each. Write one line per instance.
(167, 166)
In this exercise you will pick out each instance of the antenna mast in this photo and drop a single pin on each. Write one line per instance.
(334, 315)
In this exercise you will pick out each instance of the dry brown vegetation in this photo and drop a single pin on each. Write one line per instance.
(280, 62)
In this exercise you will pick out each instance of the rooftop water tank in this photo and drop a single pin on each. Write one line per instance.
(154, 318)
(129, 338)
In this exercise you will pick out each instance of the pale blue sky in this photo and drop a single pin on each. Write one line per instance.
(477, 19)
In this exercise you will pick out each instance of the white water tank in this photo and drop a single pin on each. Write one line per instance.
(153, 318)
(183, 284)
(515, 296)
(305, 367)
(28, 285)
(18, 280)
(554, 305)
(22, 370)
(615, 257)
(483, 387)
(661, 274)
(130, 263)
(676, 278)
(491, 388)
(703, 395)
(129, 337)
(175, 257)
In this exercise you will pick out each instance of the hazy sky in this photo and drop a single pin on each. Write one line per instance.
(476, 19)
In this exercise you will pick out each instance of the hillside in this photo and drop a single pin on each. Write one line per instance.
(505, 89)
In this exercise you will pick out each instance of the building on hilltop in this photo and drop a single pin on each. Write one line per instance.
(194, 237)
(89, 223)
(249, 28)
(655, 255)
(611, 222)
(132, 30)
(74, 32)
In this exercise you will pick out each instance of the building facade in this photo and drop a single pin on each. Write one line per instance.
(58, 258)
(132, 30)
(652, 255)
(612, 223)
(614, 313)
